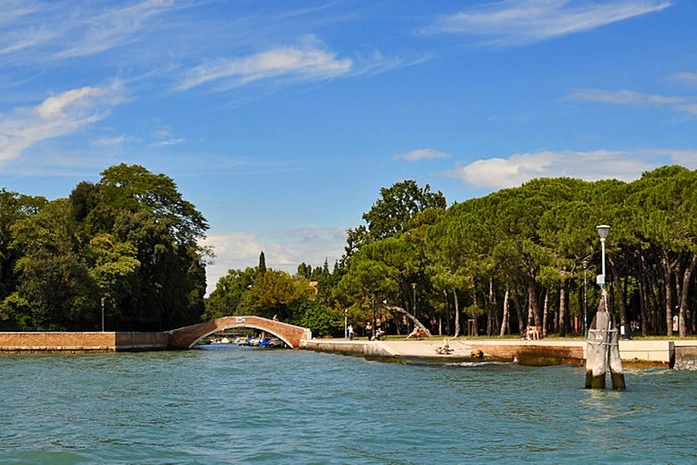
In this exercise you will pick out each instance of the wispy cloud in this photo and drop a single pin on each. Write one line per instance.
(114, 27)
(499, 173)
(109, 141)
(308, 60)
(166, 143)
(67, 29)
(628, 97)
(521, 22)
(689, 79)
(421, 154)
(56, 116)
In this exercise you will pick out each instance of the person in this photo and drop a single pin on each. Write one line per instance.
(445, 349)
(417, 332)
(369, 331)
(378, 334)
(350, 332)
(275, 318)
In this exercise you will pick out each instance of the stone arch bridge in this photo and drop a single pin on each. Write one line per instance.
(186, 337)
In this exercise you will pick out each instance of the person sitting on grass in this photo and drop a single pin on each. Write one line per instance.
(418, 332)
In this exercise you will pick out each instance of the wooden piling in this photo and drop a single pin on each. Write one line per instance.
(603, 350)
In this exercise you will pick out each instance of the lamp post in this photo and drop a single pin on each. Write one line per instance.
(585, 298)
(413, 288)
(346, 323)
(103, 314)
(602, 348)
(603, 231)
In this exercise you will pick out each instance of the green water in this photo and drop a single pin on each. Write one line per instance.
(258, 406)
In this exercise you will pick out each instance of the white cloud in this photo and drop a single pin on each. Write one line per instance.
(500, 173)
(685, 78)
(628, 97)
(682, 157)
(110, 141)
(56, 116)
(622, 97)
(60, 30)
(421, 154)
(520, 22)
(114, 27)
(166, 143)
(309, 60)
(283, 250)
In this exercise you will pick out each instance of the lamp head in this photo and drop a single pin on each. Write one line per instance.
(603, 230)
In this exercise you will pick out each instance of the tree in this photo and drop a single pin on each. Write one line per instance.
(393, 213)
(130, 239)
(262, 263)
(134, 188)
(228, 296)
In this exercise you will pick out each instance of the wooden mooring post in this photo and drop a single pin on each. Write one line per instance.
(603, 350)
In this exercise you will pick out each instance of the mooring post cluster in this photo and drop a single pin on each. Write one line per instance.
(602, 345)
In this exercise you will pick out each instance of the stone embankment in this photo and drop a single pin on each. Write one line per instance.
(668, 354)
(680, 354)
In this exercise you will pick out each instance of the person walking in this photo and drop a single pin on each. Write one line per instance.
(350, 332)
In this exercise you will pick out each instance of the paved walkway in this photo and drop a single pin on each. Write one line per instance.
(545, 351)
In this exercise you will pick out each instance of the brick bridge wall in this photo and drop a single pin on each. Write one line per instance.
(57, 342)
(81, 342)
(184, 338)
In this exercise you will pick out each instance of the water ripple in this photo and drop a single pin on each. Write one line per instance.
(256, 406)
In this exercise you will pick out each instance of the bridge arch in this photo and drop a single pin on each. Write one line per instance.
(186, 337)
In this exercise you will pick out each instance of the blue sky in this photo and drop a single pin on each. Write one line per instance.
(281, 121)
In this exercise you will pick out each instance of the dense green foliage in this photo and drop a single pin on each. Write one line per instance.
(528, 249)
(497, 264)
(130, 239)
(301, 300)
(491, 265)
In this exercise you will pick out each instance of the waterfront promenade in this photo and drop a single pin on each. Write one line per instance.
(680, 354)
(640, 353)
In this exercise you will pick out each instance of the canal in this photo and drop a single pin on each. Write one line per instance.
(234, 405)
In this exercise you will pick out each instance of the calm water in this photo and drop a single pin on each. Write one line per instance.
(256, 406)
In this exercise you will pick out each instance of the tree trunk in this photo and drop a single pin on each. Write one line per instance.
(505, 323)
(621, 297)
(457, 313)
(475, 328)
(545, 311)
(667, 267)
(416, 322)
(518, 310)
(562, 308)
(534, 305)
(684, 295)
(643, 300)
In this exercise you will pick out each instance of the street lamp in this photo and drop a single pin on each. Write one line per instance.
(373, 305)
(585, 298)
(103, 314)
(346, 323)
(603, 231)
(413, 288)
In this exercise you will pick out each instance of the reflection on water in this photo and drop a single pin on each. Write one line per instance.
(281, 406)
